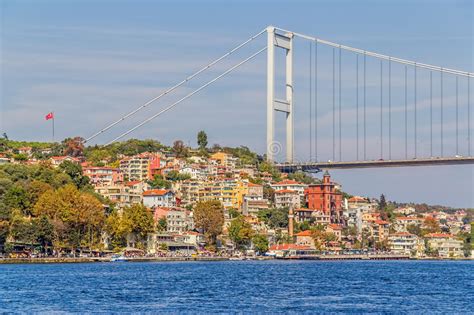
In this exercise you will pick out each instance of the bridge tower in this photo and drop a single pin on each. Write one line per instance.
(276, 40)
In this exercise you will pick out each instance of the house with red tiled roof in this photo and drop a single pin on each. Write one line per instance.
(335, 229)
(305, 238)
(280, 250)
(289, 184)
(158, 198)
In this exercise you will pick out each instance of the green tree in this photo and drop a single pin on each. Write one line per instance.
(161, 225)
(43, 230)
(209, 218)
(74, 171)
(177, 176)
(159, 182)
(414, 229)
(202, 140)
(4, 231)
(275, 218)
(240, 231)
(260, 242)
(382, 202)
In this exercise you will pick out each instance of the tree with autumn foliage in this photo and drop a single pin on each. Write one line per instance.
(77, 217)
(209, 218)
(130, 227)
(430, 225)
(74, 146)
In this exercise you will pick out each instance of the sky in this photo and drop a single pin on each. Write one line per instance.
(92, 62)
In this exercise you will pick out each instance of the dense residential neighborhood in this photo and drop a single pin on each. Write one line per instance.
(142, 198)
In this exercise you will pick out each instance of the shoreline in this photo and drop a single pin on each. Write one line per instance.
(79, 260)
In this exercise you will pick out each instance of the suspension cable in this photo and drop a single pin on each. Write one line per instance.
(416, 122)
(381, 56)
(316, 100)
(381, 109)
(442, 117)
(431, 113)
(340, 106)
(333, 104)
(365, 111)
(175, 86)
(357, 107)
(189, 95)
(406, 114)
(468, 117)
(457, 118)
(390, 109)
(310, 101)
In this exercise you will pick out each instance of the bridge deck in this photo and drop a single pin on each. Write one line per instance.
(317, 166)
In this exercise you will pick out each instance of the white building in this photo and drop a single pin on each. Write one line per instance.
(158, 198)
(406, 243)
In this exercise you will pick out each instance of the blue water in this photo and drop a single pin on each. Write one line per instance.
(247, 286)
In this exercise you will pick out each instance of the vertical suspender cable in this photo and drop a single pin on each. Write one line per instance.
(442, 116)
(340, 106)
(416, 130)
(381, 109)
(457, 118)
(468, 116)
(310, 101)
(431, 113)
(333, 104)
(406, 115)
(357, 107)
(316, 99)
(365, 116)
(390, 109)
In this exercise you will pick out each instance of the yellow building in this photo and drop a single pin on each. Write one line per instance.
(230, 192)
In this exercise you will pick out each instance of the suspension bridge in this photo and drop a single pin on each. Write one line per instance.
(364, 109)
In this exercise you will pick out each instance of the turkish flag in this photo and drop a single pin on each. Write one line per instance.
(49, 116)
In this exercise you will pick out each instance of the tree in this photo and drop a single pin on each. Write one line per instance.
(209, 218)
(240, 231)
(74, 146)
(275, 218)
(159, 182)
(43, 232)
(77, 216)
(260, 243)
(161, 225)
(202, 140)
(179, 149)
(233, 213)
(177, 176)
(4, 231)
(130, 226)
(430, 225)
(414, 229)
(382, 202)
(74, 171)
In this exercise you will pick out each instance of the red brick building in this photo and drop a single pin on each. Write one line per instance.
(325, 197)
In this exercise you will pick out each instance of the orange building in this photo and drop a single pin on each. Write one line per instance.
(325, 197)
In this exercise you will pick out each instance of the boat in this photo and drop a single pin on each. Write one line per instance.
(118, 258)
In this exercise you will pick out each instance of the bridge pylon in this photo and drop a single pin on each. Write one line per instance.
(285, 41)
